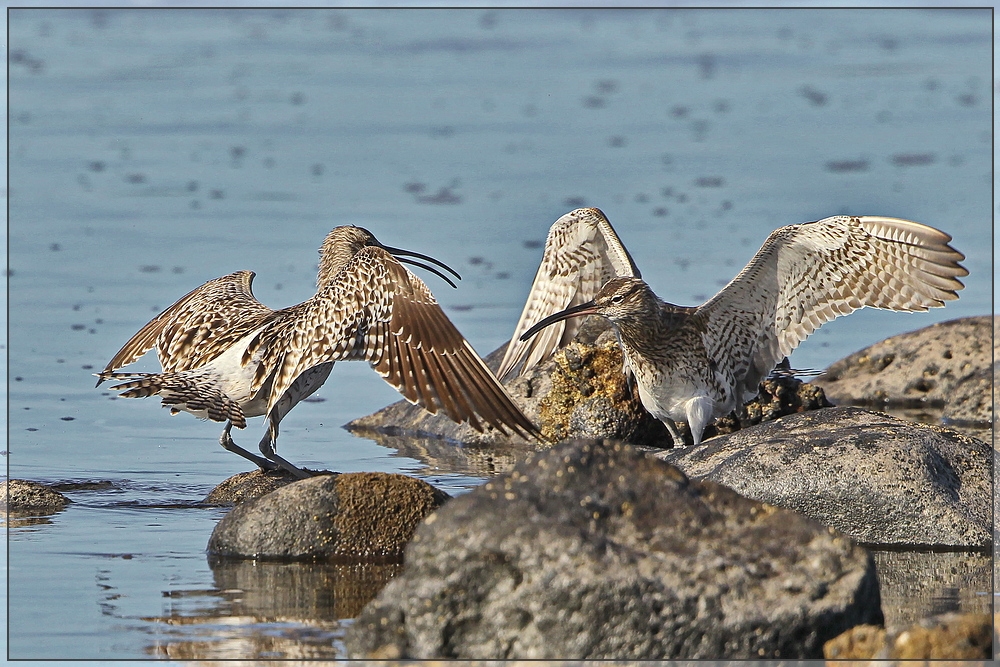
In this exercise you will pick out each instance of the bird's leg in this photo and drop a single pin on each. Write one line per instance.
(267, 449)
(226, 440)
(672, 427)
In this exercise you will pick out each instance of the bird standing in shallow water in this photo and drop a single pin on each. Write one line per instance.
(700, 363)
(226, 356)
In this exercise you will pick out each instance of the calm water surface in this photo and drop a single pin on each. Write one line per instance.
(153, 150)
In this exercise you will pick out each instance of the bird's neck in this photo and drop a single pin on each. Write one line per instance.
(646, 333)
(330, 264)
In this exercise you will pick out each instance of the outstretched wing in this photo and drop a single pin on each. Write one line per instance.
(378, 311)
(808, 274)
(582, 252)
(198, 327)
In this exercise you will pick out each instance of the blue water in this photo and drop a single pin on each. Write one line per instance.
(152, 150)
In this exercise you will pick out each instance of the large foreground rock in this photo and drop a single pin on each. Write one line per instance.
(878, 479)
(943, 365)
(353, 515)
(595, 551)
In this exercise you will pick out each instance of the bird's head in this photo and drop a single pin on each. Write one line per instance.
(343, 243)
(619, 300)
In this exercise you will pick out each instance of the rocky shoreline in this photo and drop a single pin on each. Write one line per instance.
(611, 545)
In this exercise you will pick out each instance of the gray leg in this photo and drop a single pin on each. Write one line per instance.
(672, 427)
(267, 449)
(226, 440)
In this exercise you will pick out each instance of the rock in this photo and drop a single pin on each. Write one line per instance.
(245, 486)
(593, 550)
(862, 642)
(971, 400)
(944, 637)
(352, 515)
(21, 497)
(582, 393)
(917, 368)
(878, 479)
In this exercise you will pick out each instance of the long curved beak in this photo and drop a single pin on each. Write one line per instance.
(587, 308)
(403, 255)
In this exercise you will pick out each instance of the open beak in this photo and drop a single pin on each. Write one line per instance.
(576, 311)
(403, 255)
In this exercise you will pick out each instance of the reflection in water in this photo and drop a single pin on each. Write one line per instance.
(443, 456)
(24, 519)
(916, 584)
(263, 609)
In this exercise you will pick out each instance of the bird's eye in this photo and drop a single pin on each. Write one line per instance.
(617, 298)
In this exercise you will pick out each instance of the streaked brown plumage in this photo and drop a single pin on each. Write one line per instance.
(697, 364)
(226, 356)
(582, 252)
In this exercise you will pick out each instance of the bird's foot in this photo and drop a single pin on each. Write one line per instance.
(226, 440)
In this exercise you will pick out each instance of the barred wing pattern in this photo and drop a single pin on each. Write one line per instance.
(378, 311)
(200, 326)
(582, 252)
(808, 274)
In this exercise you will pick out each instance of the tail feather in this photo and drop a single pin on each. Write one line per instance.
(182, 391)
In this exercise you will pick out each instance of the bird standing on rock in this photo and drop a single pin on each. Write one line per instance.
(700, 363)
(226, 356)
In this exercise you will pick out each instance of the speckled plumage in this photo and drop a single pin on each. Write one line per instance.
(226, 356)
(582, 252)
(697, 364)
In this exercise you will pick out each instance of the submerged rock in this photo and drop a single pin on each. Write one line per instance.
(878, 479)
(945, 637)
(929, 366)
(352, 515)
(595, 551)
(20, 497)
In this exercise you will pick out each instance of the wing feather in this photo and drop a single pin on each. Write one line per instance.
(582, 252)
(199, 326)
(806, 275)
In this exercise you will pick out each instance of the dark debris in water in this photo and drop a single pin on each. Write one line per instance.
(845, 166)
(814, 97)
(709, 182)
(97, 485)
(913, 159)
(442, 196)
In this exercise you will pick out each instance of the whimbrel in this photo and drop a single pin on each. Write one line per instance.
(226, 356)
(700, 363)
(582, 252)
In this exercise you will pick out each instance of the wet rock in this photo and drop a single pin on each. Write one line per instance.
(352, 515)
(594, 550)
(21, 497)
(922, 367)
(971, 400)
(582, 393)
(878, 479)
(245, 486)
(943, 637)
